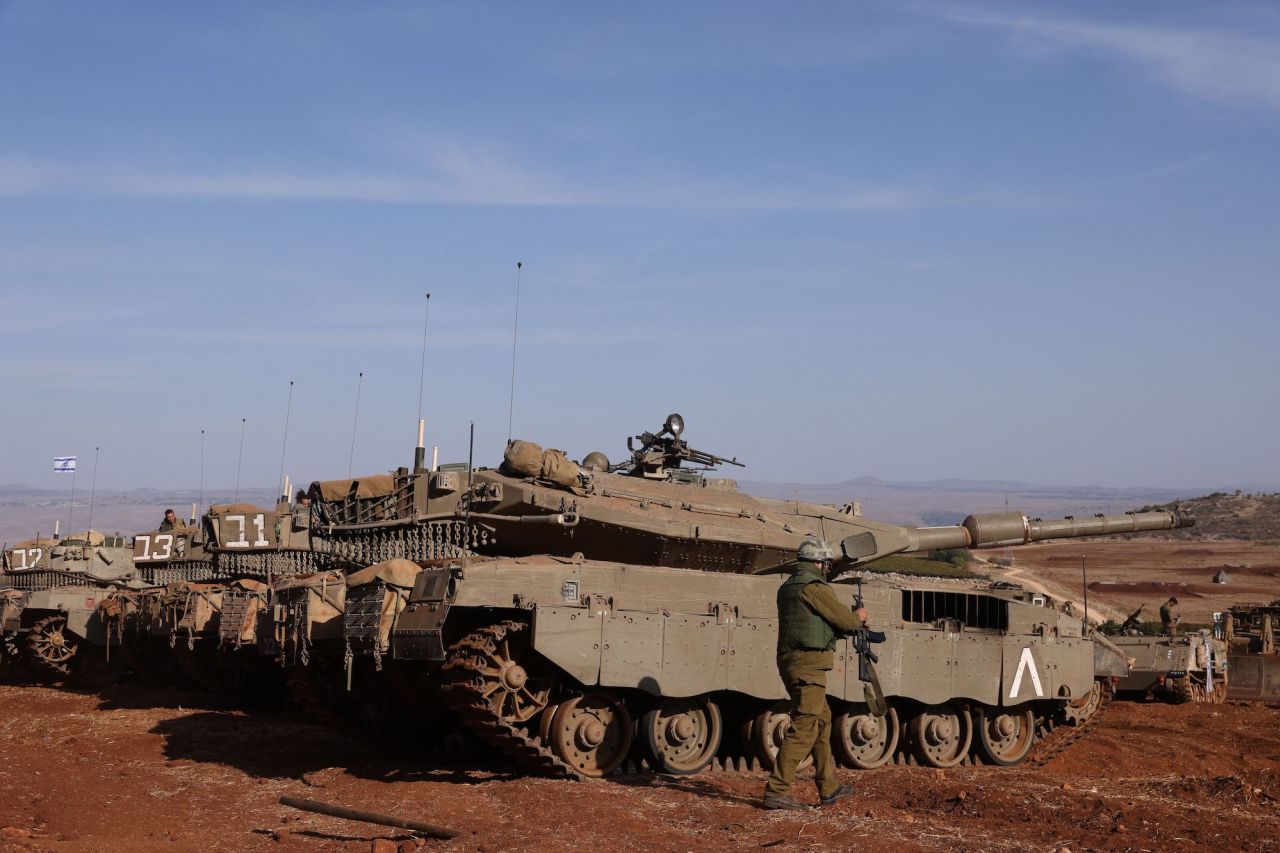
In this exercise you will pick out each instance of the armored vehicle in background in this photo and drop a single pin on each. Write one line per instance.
(1252, 635)
(1189, 668)
(50, 615)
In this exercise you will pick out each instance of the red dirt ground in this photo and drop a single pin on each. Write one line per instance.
(140, 769)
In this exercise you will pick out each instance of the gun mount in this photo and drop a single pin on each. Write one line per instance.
(661, 455)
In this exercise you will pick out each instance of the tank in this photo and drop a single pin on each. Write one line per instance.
(1190, 668)
(568, 666)
(50, 609)
(209, 593)
(550, 604)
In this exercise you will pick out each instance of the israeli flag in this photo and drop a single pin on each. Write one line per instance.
(64, 464)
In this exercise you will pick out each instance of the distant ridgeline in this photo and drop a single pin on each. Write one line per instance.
(1238, 515)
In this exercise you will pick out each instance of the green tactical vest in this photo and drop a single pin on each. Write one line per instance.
(799, 628)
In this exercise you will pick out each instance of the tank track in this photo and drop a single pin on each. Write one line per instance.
(465, 693)
(1186, 689)
(1053, 740)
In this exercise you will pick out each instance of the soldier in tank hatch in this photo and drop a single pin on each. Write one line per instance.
(1170, 616)
(172, 522)
(810, 620)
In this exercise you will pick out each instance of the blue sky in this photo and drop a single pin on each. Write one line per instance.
(1021, 241)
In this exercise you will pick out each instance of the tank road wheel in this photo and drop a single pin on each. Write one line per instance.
(1079, 710)
(592, 733)
(1004, 738)
(50, 647)
(941, 734)
(864, 741)
(764, 734)
(1179, 689)
(682, 735)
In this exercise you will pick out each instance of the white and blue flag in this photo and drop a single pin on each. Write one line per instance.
(64, 464)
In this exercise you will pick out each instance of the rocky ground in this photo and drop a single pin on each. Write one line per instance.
(142, 769)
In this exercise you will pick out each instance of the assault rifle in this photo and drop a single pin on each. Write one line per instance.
(867, 658)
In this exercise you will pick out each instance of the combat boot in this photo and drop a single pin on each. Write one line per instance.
(837, 795)
(783, 801)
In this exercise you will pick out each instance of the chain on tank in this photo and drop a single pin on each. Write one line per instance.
(435, 540)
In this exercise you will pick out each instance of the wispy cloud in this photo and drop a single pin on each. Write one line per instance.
(1218, 65)
(458, 174)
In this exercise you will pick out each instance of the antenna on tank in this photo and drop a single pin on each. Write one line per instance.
(288, 410)
(466, 520)
(1084, 580)
(93, 484)
(71, 507)
(201, 467)
(355, 421)
(240, 459)
(420, 453)
(515, 333)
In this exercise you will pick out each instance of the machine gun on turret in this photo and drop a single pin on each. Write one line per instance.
(661, 455)
(1131, 623)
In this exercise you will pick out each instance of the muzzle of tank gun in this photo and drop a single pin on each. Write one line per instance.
(1013, 528)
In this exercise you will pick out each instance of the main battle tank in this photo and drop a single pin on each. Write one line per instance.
(50, 610)
(550, 656)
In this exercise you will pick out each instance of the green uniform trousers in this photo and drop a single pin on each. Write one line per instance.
(805, 675)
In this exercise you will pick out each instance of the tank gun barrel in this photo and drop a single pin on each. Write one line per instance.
(1013, 528)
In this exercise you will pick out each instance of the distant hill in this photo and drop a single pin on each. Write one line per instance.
(1238, 515)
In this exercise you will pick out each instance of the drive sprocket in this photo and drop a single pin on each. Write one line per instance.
(50, 647)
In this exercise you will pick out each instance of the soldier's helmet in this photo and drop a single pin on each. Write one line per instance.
(595, 461)
(815, 550)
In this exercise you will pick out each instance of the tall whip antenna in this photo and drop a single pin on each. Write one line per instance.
(288, 410)
(354, 422)
(466, 519)
(201, 467)
(422, 373)
(93, 484)
(515, 332)
(240, 459)
(420, 452)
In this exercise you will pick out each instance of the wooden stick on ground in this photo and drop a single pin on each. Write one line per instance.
(308, 805)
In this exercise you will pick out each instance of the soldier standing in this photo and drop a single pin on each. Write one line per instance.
(810, 619)
(1170, 616)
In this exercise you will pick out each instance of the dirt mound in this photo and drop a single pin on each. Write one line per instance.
(1146, 588)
